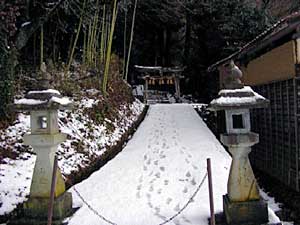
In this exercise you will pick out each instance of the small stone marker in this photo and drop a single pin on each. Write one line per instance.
(242, 204)
(45, 137)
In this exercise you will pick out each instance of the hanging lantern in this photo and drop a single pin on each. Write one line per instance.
(171, 81)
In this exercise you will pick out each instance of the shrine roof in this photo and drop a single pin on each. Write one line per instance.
(159, 69)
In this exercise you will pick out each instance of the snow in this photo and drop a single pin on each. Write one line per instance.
(48, 91)
(94, 139)
(61, 101)
(26, 101)
(25, 24)
(157, 173)
(237, 100)
(138, 90)
(15, 179)
(244, 89)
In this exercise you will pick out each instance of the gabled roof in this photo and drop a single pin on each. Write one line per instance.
(159, 69)
(283, 27)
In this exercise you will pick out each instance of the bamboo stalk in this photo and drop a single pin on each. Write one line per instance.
(108, 54)
(42, 46)
(125, 39)
(76, 38)
(131, 39)
(102, 35)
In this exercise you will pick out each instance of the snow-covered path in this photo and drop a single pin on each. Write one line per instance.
(157, 172)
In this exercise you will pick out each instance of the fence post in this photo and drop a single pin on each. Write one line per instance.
(211, 196)
(52, 193)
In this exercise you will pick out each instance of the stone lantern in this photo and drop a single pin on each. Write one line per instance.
(242, 204)
(45, 137)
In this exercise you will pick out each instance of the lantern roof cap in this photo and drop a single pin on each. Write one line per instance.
(42, 100)
(241, 98)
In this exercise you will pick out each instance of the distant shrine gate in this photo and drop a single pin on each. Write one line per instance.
(161, 76)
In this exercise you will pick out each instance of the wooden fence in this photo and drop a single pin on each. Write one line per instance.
(277, 153)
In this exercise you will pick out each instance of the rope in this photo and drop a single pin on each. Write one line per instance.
(165, 222)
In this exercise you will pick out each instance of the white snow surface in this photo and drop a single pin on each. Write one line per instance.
(27, 101)
(16, 174)
(48, 91)
(61, 101)
(157, 173)
(244, 89)
(237, 100)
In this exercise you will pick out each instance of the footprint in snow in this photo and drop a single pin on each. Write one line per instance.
(189, 155)
(187, 161)
(157, 210)
(185, 190)
(162, 156)
(156, 162)
(150, 174)
(186, 220)
(151, 189)
(177, 208)
(168, 201)
(149, 161)
(162, 168)
(145, 168)
(141, 179)
(166, 182)
(188, 174)
(138, 195)
(139, 187)
(152, 181)
(195, 167)
(161, 217)
(145, 157)
(157, 175)
(159, 191)
(148, 196)
(193, 182)
(150, 205)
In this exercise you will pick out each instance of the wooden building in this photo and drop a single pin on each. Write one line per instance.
(271, 65)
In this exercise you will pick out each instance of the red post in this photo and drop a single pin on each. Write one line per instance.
(52, 193)
(211, 195)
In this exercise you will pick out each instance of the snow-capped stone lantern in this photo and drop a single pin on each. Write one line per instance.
(242, 204)
(45, 137)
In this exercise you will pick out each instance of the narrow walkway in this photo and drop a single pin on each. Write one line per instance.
(157, 172)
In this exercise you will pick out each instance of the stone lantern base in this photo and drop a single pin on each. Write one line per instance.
(35, 211)
(249, 212)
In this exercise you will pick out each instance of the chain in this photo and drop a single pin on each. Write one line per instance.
(188, 202)
(166, 221)
(92, 209)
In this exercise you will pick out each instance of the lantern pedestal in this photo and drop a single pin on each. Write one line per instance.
(245, 212)
(35, 210)
(242, 204)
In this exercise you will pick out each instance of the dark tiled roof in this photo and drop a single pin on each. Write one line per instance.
(290, 21)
